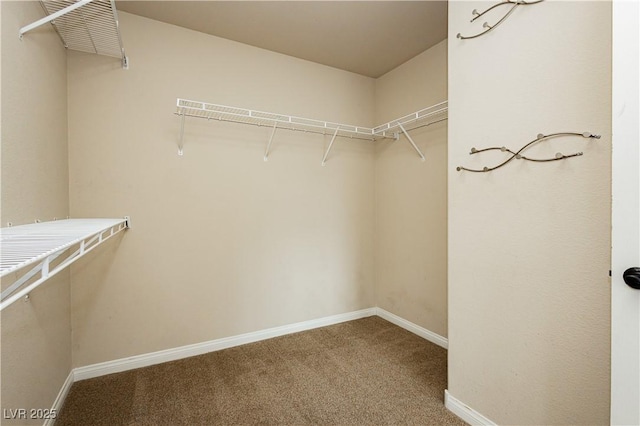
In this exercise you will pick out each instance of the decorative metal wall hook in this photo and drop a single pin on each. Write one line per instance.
(518, 154)
(514, 4)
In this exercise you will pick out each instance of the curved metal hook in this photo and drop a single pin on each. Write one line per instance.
(524, 3)
(518, 154)
(486, 25)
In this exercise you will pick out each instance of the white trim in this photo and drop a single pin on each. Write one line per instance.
(465, 412)
(145, 360)
(625, 227)
(414, 328)
(62, 395)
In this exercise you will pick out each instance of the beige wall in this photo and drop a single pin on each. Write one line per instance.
(36, 335)
(411, 196)
(222, 242)
(529, 243)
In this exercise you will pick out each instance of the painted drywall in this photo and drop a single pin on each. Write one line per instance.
(411, 196)
(36, 335)
(222, 242)
(529, 244)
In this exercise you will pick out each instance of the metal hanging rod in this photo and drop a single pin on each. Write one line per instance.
(487, 27)
(85, 25)
(426, 124)
(39, 245)
(203, 110)
(518, 154)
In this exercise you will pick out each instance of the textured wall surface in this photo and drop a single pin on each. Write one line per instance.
(222, 242)
(411, 196)
(36, 336)
(529, 244)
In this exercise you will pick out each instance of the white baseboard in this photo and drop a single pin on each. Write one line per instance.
(62, 395)
(414, 328)
(465, 412)
(145, 360)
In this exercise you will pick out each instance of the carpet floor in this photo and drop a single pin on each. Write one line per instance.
(366, 371)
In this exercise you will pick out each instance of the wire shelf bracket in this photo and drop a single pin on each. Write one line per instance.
(326, 154)
(203, 110)
(413, 144)
(39, 245)
(273, 132)
(85, 25)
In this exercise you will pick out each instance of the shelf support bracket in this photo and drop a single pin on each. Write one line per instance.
(32, 273)
(413, 144)
(324, 159)
(180, 144)
(47, 270)
(52, 17)
(273, 132)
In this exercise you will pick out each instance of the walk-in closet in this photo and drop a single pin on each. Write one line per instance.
(244, 212)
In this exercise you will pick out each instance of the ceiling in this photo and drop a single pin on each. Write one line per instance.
(364, 37)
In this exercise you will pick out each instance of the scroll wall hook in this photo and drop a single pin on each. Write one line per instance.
(514, 4)
(518, 154)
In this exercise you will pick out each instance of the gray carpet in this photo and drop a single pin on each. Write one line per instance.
(367, 371)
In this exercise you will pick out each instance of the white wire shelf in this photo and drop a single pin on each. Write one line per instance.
(39, 245)
(85, 25)
(392, 129)
(261, 118)
(424, 117)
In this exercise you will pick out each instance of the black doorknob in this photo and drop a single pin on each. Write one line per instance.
(632, 277)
